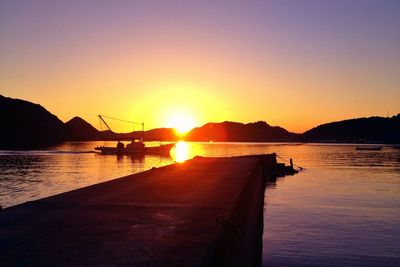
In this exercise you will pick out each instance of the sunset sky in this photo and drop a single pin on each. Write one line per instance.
(291, 63)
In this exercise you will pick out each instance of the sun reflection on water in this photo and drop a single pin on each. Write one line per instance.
(181, 152)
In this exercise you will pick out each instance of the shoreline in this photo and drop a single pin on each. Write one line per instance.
(48, 148)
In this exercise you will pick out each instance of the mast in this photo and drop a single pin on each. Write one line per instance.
(142, 131)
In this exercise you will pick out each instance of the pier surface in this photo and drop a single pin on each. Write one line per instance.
(203, 212)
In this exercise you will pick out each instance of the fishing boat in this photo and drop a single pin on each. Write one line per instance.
(136, 146)
(376, 148)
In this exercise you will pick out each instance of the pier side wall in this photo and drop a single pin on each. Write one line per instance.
(239, 242)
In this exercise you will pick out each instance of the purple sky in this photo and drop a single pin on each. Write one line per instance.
(291, 63)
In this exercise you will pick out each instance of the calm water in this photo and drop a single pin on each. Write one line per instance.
(342, 210)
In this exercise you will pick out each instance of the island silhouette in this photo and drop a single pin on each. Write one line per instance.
(27, 125)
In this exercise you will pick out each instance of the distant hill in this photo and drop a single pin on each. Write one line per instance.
(219, 132)
(373, 129)
(27, 125)
(77, 129)
(161, 134)
(238, 132)
(158, 134)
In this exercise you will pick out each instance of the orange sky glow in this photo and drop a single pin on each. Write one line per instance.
(185, 64)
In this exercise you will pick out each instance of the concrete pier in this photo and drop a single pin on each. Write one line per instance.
(203, 212)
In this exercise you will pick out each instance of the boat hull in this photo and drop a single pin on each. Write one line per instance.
(162, 149)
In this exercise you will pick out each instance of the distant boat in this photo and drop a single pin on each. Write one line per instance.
(376, 148)
(137, 146)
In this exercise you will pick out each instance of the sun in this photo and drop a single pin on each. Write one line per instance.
(182, 122)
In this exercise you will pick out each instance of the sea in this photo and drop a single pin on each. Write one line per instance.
(341, 209)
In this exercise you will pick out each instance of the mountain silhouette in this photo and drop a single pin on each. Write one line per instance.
(239, 132)
(77, 129)
(158, 134)
(218, 132)
(161, 134)
(373, 129)
(25, 125)
(28, 125)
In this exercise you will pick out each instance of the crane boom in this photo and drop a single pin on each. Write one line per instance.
(105, 123)
(101, 117)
